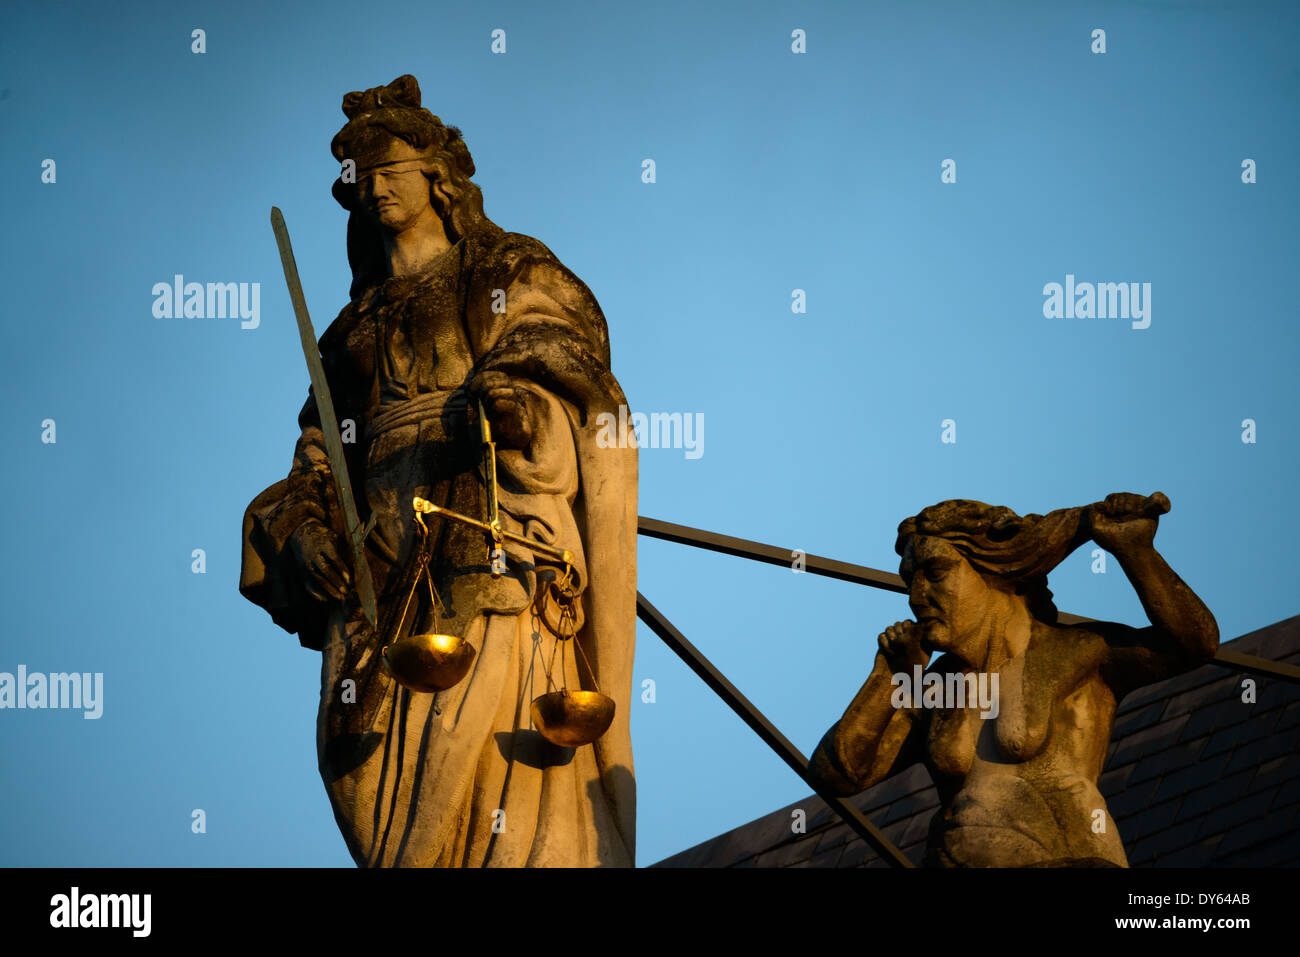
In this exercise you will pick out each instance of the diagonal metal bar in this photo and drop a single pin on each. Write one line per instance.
(1240, 661)
(743, 548)
(757, 721)
(875, 578)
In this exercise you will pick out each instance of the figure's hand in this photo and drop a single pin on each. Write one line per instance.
(900, 643)
(325, 574)
(1125, 521)
(509, 409)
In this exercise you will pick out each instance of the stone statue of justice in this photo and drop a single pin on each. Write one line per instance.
(474, 602)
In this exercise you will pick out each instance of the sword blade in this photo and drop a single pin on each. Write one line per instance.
(328, 421)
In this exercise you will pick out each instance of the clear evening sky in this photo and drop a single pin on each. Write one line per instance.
(775, 171)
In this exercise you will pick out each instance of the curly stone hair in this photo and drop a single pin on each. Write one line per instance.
(393, 111)
(998, 543)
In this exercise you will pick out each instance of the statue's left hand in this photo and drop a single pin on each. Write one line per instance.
(509, 409)
(1126, 520)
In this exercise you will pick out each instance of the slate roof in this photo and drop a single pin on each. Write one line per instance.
(1194, 778)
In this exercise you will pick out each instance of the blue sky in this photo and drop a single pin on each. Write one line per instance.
(775, 172)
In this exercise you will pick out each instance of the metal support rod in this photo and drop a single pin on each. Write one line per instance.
(743, 548)
(774, 739)
(875, 578)
(1239, 661)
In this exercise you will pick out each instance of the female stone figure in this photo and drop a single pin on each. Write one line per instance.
(1018, 788)
(448, 310)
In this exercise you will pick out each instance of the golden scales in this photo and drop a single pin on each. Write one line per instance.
(435, 662)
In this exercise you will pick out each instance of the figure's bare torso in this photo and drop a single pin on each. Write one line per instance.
(1023, 784)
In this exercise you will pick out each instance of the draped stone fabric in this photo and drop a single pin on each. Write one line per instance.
(461, 778)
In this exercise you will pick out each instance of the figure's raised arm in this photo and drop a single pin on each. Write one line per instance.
(1183, 631)
(873, 738)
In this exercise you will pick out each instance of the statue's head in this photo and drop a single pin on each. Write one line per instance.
(406, 161)
(966, 563)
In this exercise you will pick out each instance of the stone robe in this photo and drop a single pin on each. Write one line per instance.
(460, 778)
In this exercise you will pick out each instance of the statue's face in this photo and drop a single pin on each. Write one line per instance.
(948, 597)
(392, 191)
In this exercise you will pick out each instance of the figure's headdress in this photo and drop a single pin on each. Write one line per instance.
(394, 109)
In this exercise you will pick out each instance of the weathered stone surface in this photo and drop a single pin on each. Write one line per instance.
(1017, 770)
(449, 310)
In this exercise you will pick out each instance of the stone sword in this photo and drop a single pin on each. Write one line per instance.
(328, 421)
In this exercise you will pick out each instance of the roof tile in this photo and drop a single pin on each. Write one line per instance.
(1251, 832)
(1217, 715)
(1194, 855)
(1136, 718)
(1177, 783)
(1167, 760)
(1258, 752)
(1132, 747)
(828, 858)
(1230, 818)
(1223, 791)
